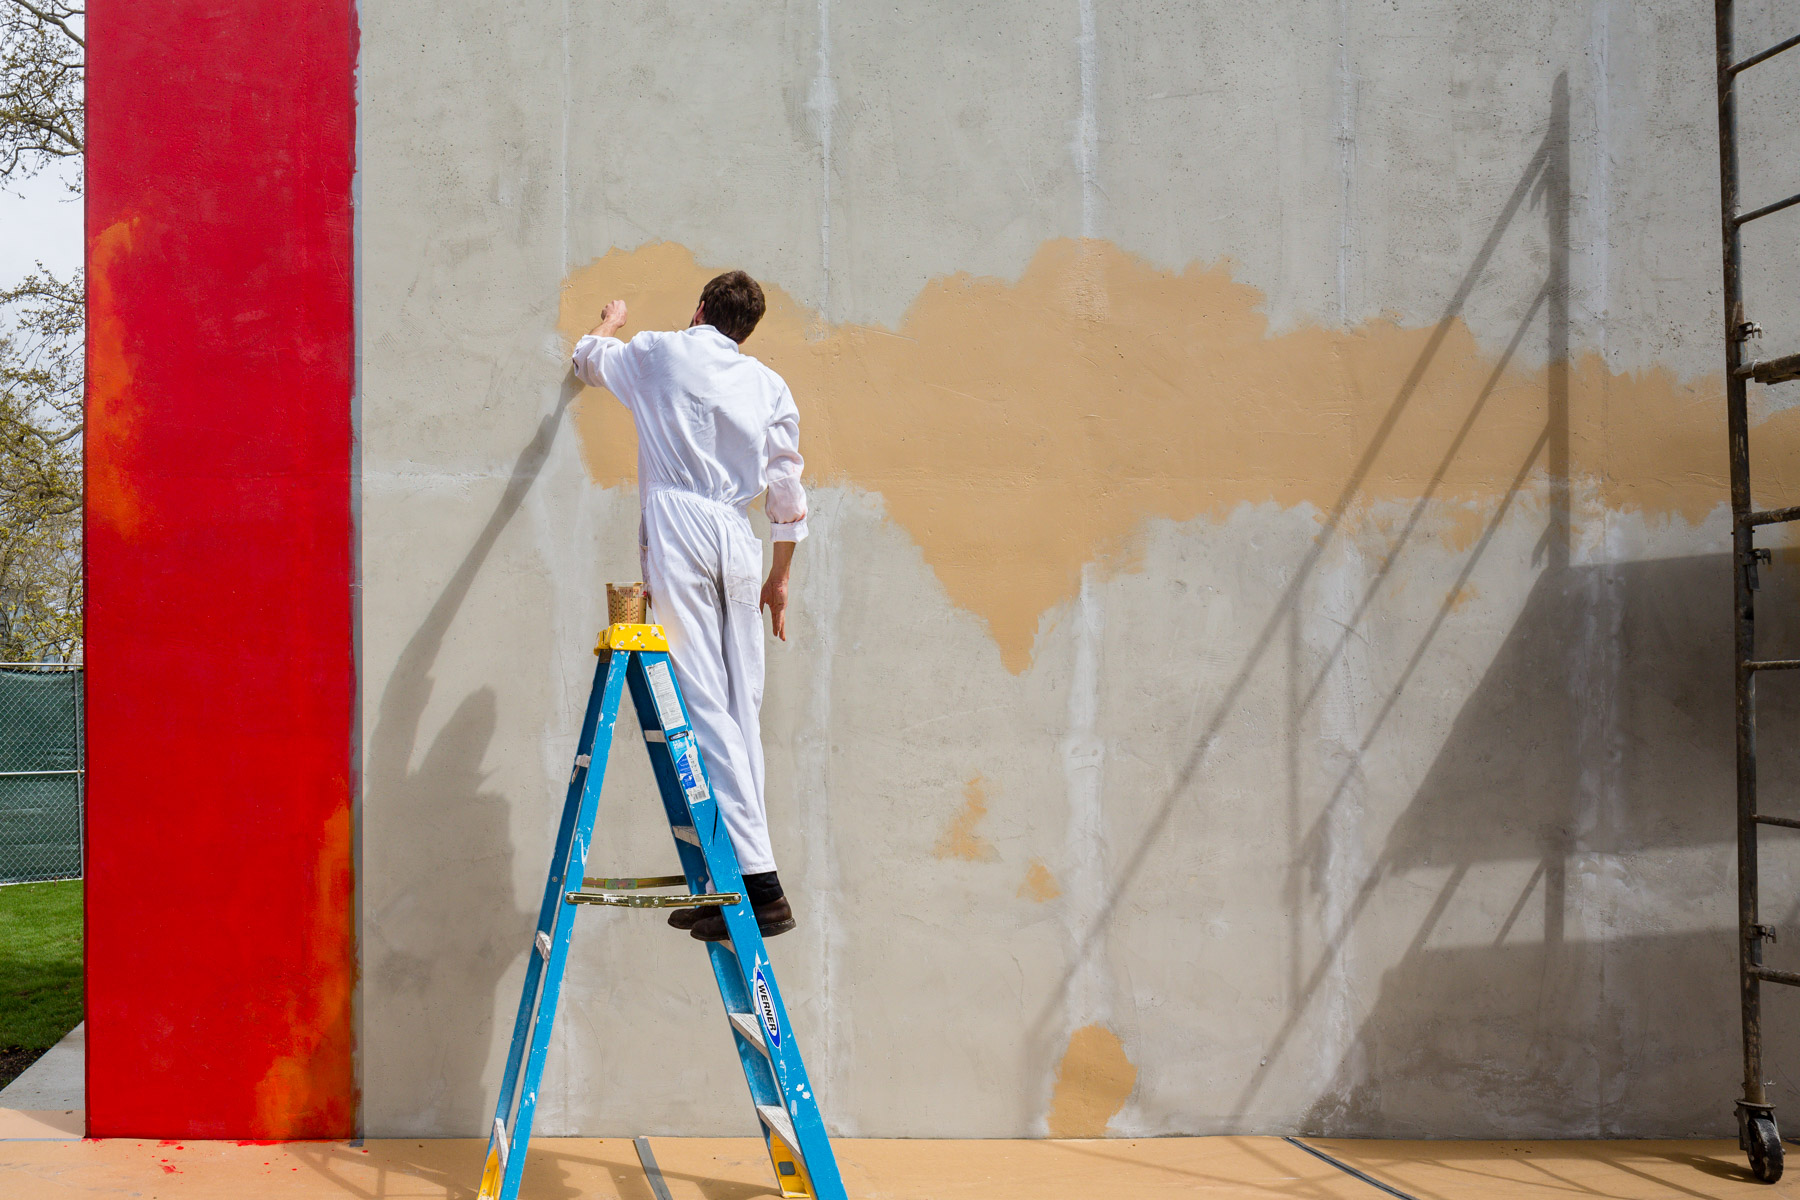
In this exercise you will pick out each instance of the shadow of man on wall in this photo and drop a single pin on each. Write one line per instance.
(443, 920)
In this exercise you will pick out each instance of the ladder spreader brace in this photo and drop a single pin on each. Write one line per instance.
(637, 656)
(1757, 1132)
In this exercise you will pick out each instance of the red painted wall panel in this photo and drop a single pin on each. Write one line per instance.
(221, 678)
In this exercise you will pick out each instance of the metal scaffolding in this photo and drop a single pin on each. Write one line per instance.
(1757, 1131)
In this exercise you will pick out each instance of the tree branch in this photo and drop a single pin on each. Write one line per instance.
(51, 19)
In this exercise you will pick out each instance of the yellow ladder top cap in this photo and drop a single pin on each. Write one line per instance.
(632, 637)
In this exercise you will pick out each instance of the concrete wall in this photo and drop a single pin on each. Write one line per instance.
(1262, 661)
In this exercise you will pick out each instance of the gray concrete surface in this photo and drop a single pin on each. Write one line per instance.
(56, 1082)
(1386, 792)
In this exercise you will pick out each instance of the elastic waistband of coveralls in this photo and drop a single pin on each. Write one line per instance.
(671, 489)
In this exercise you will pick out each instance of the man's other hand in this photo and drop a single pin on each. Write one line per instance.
(775, 598)
(612, 319)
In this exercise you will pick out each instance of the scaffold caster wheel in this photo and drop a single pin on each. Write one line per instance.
(1765, 1149)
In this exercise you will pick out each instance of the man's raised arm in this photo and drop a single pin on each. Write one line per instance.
(591, 351)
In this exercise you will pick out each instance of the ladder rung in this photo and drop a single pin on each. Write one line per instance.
(1772, 516)
(776, 1118)
(751, 1030)
(1766, 974)
(629, 883)
(1771, 52)
(1783, 822)
(500, 1139)
(1773, 370)
(1774, 664)
(686, 833)
(635, 900)
(542, 942)
(655, 735)
(1765, 210)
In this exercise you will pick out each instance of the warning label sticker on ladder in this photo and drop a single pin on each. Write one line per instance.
(687, 769)
(662, 690)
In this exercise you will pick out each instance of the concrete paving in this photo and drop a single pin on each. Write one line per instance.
(57, 1081)
(37, 1167)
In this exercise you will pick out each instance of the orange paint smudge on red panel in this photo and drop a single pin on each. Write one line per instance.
(111, 416)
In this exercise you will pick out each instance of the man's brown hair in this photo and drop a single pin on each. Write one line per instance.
(733, 303)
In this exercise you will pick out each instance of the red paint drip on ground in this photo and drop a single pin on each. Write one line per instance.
(220, 675)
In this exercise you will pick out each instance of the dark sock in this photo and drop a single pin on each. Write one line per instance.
(763, 888)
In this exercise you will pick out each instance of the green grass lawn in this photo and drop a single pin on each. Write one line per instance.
(40, 963)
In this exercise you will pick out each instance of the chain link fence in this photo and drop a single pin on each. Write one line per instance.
(42, 771)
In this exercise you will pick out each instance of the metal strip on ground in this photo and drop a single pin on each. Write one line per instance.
(1347, 1169)
(652, 1172)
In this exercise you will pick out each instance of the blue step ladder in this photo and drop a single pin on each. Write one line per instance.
(638, 656)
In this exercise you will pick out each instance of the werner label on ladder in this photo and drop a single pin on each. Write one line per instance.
(716, 428)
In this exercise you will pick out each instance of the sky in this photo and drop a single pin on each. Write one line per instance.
(40, 220)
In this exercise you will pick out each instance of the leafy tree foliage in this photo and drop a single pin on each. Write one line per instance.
(40, 470)
(41, 56)
(41, 348)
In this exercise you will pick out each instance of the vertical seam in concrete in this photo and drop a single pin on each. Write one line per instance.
(563, 273)
(1084, 759)
(1087, 132)
(1600, 187)
(567, 100)
(1346, 140)
(823, 599)
(1345, 871)
(821, 100)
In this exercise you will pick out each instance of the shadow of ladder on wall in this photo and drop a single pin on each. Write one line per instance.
(1757, 1131)
(636, 656)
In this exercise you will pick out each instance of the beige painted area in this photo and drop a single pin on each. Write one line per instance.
(973, 1169)
(1219, 1168)
(1092, 1084)
(1020, 430)
(1040, 885)
(1646, 1170)
(962, 837)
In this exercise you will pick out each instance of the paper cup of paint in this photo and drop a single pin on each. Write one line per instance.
(625, 604)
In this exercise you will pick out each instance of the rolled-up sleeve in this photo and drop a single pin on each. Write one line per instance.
(786, 501)
(600, 362)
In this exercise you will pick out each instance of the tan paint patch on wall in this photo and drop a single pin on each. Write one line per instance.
(1021, 430)
(1040, 885)
(1461, 596)
(961, 839)
(1092, 1084)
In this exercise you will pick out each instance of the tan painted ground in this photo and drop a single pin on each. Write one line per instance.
(1019, 431)
(1663, 1170)
(897, 1169)
(1220, 1168)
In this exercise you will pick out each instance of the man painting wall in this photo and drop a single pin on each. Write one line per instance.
(716, 428)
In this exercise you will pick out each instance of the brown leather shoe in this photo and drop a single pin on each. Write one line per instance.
(684, 918)
(772, 918)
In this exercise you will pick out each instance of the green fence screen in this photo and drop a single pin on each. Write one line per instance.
(41, 773)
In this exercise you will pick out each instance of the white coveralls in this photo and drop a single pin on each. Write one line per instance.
(715, 428)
